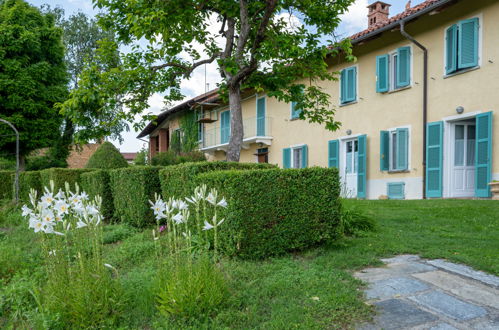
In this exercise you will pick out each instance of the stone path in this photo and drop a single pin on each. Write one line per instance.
(414, 293)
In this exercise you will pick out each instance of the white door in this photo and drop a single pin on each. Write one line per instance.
(463, 160)
(351, 165)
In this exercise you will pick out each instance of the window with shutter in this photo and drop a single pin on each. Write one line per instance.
(393, 70)
(461, 45)
(286, 158)
(225, 127)
(483, 156)
(434, 159)
(382, 74)
(385, 151)
(333, 153)
(403, 67)
(295, 111)
(260, 116)
(348, 85)
(394, 150)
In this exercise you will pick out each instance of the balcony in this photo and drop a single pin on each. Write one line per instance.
(256, 130)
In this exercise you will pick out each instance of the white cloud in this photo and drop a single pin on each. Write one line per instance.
(355, 19)
(293, 22)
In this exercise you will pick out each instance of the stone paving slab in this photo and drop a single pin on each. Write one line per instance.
(443, 326)
(393, 270)
(466, 271)
(461, 287)
(449, 306)
(395, 287)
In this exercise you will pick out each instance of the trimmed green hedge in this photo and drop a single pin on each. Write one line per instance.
(97, 183)
(6, 184)
(178, 181)
(62, 175)
(271, 212)
(107, 156)
(132, 188)
(28, 180)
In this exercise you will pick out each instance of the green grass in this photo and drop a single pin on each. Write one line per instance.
(311, 290)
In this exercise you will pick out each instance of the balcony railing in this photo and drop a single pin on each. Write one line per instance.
(254, 129)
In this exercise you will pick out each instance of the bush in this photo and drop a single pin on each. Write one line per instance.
(355, 221)
(97, 183)
(170, 157)
(7, 184)
(60, 176)
(7, 164)
(141, 158)
(107, 156)
(37, 163)
(117, 233)
(274, 211)
(28, 180)
(178, 181)
(132, 188)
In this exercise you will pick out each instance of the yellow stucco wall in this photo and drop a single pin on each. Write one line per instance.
(476, 91)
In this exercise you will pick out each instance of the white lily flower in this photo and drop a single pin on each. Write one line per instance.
(207, 225)
(91, 210)
(75, 199)
(48, 217)
(47, 199)
(83, 196)
(52, 253)
(37, 226)
(80, 224)
(181, 205)
(62, 207)
(211, 198)
(220, 222)
(178, 218)
(26, 211)
(222, 203)
(158, 207)
(109, 266)
(60, 194)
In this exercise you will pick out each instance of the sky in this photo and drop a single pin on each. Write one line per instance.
(353, 21)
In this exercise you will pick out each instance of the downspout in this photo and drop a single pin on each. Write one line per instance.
(425, 96)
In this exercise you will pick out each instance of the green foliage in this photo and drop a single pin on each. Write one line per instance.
(117, 233)
(356, 221)
(171, 157)
(7, 186)
(29, 180)
(271, 212)
(33, 76)
(62, 175)
(192, 290)
(178, 181)
(189, 126)
(107, 156)
(132, 188)
(7, 164)
(17, 301)
(37, 163)
(141, 158)
(96, 183)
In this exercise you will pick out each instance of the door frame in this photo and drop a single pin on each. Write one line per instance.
(341, 152)
(448, 156)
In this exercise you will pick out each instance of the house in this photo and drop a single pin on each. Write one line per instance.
(129, 156)
(419, 108)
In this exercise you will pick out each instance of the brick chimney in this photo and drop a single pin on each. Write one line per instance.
(379, 12)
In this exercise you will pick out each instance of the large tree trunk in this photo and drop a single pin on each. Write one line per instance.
(236, 124)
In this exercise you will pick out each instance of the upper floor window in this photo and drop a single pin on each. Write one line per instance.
(461, 45)
(348, 85)
(394, 151)
(393, 70)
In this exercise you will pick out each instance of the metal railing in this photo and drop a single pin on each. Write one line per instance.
(253, 127)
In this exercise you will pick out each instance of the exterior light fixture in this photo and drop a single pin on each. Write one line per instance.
(349, 132)
(459, 109)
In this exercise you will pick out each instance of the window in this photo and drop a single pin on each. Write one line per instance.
(295, 157)
(225, 127)
(295, 111)
(461, 45)
(394, 153)
(348, 85)
(393, 70)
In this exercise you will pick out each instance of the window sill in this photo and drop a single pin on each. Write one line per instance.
(461, 72)
(293, 119)
(349, 103)
(398, 171)
(398, 89)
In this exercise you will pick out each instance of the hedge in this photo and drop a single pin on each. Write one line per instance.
(28, 180)
(107, 156)
(97, 183)
(178, 181)
(6, 184)
(132, 188)
(271, 212)
(62, 175)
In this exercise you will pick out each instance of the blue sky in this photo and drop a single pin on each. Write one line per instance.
(354, 21)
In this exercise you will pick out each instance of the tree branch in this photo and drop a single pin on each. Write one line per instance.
(186, 68)
(244, 33)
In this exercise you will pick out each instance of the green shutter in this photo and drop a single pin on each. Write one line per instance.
(382, 74)
(361, 173)
(403, 67)
(468, 43)
(402, 148)
(384, 161)
(334, 153)
(343, 86)
(286, 158)
(348, 85)
(304, 156)
(434, 159)
(451, 49)
(483, 155)
(260, 117)
(225, 127)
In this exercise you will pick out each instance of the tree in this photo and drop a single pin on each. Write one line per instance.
(106, 157)
(254, 45)
(32, 76)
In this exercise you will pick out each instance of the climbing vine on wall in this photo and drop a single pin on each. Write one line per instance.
(187, 139)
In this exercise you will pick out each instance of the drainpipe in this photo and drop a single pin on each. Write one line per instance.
(425, 96)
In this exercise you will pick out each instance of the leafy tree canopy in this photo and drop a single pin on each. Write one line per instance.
(253, 45)
(32, 76)
(107, 156)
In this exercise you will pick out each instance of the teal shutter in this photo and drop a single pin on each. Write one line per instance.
(348, 85)
(434, 159)
(483, 157)
(384, 161)
(334, 153)
(260, 117)
(451, 49)
(304, 156)
(286, 158)
(382, 75)
(402, 148)
(343, 86)
(403, 67)
(361, 174)
(468, 43)
(224, 127)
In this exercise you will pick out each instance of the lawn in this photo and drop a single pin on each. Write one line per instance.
(308, 290)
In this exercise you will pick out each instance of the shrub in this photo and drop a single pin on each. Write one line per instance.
(36, 163)
(132, 188)
(61, 175)
(7, 185)
(117, 233)
(107, 156)
(165, 158)
(141, 158)
(274, 211)
(7, 164)
(97, 183)
(178, 180)
(355, 221)
(29, 180)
